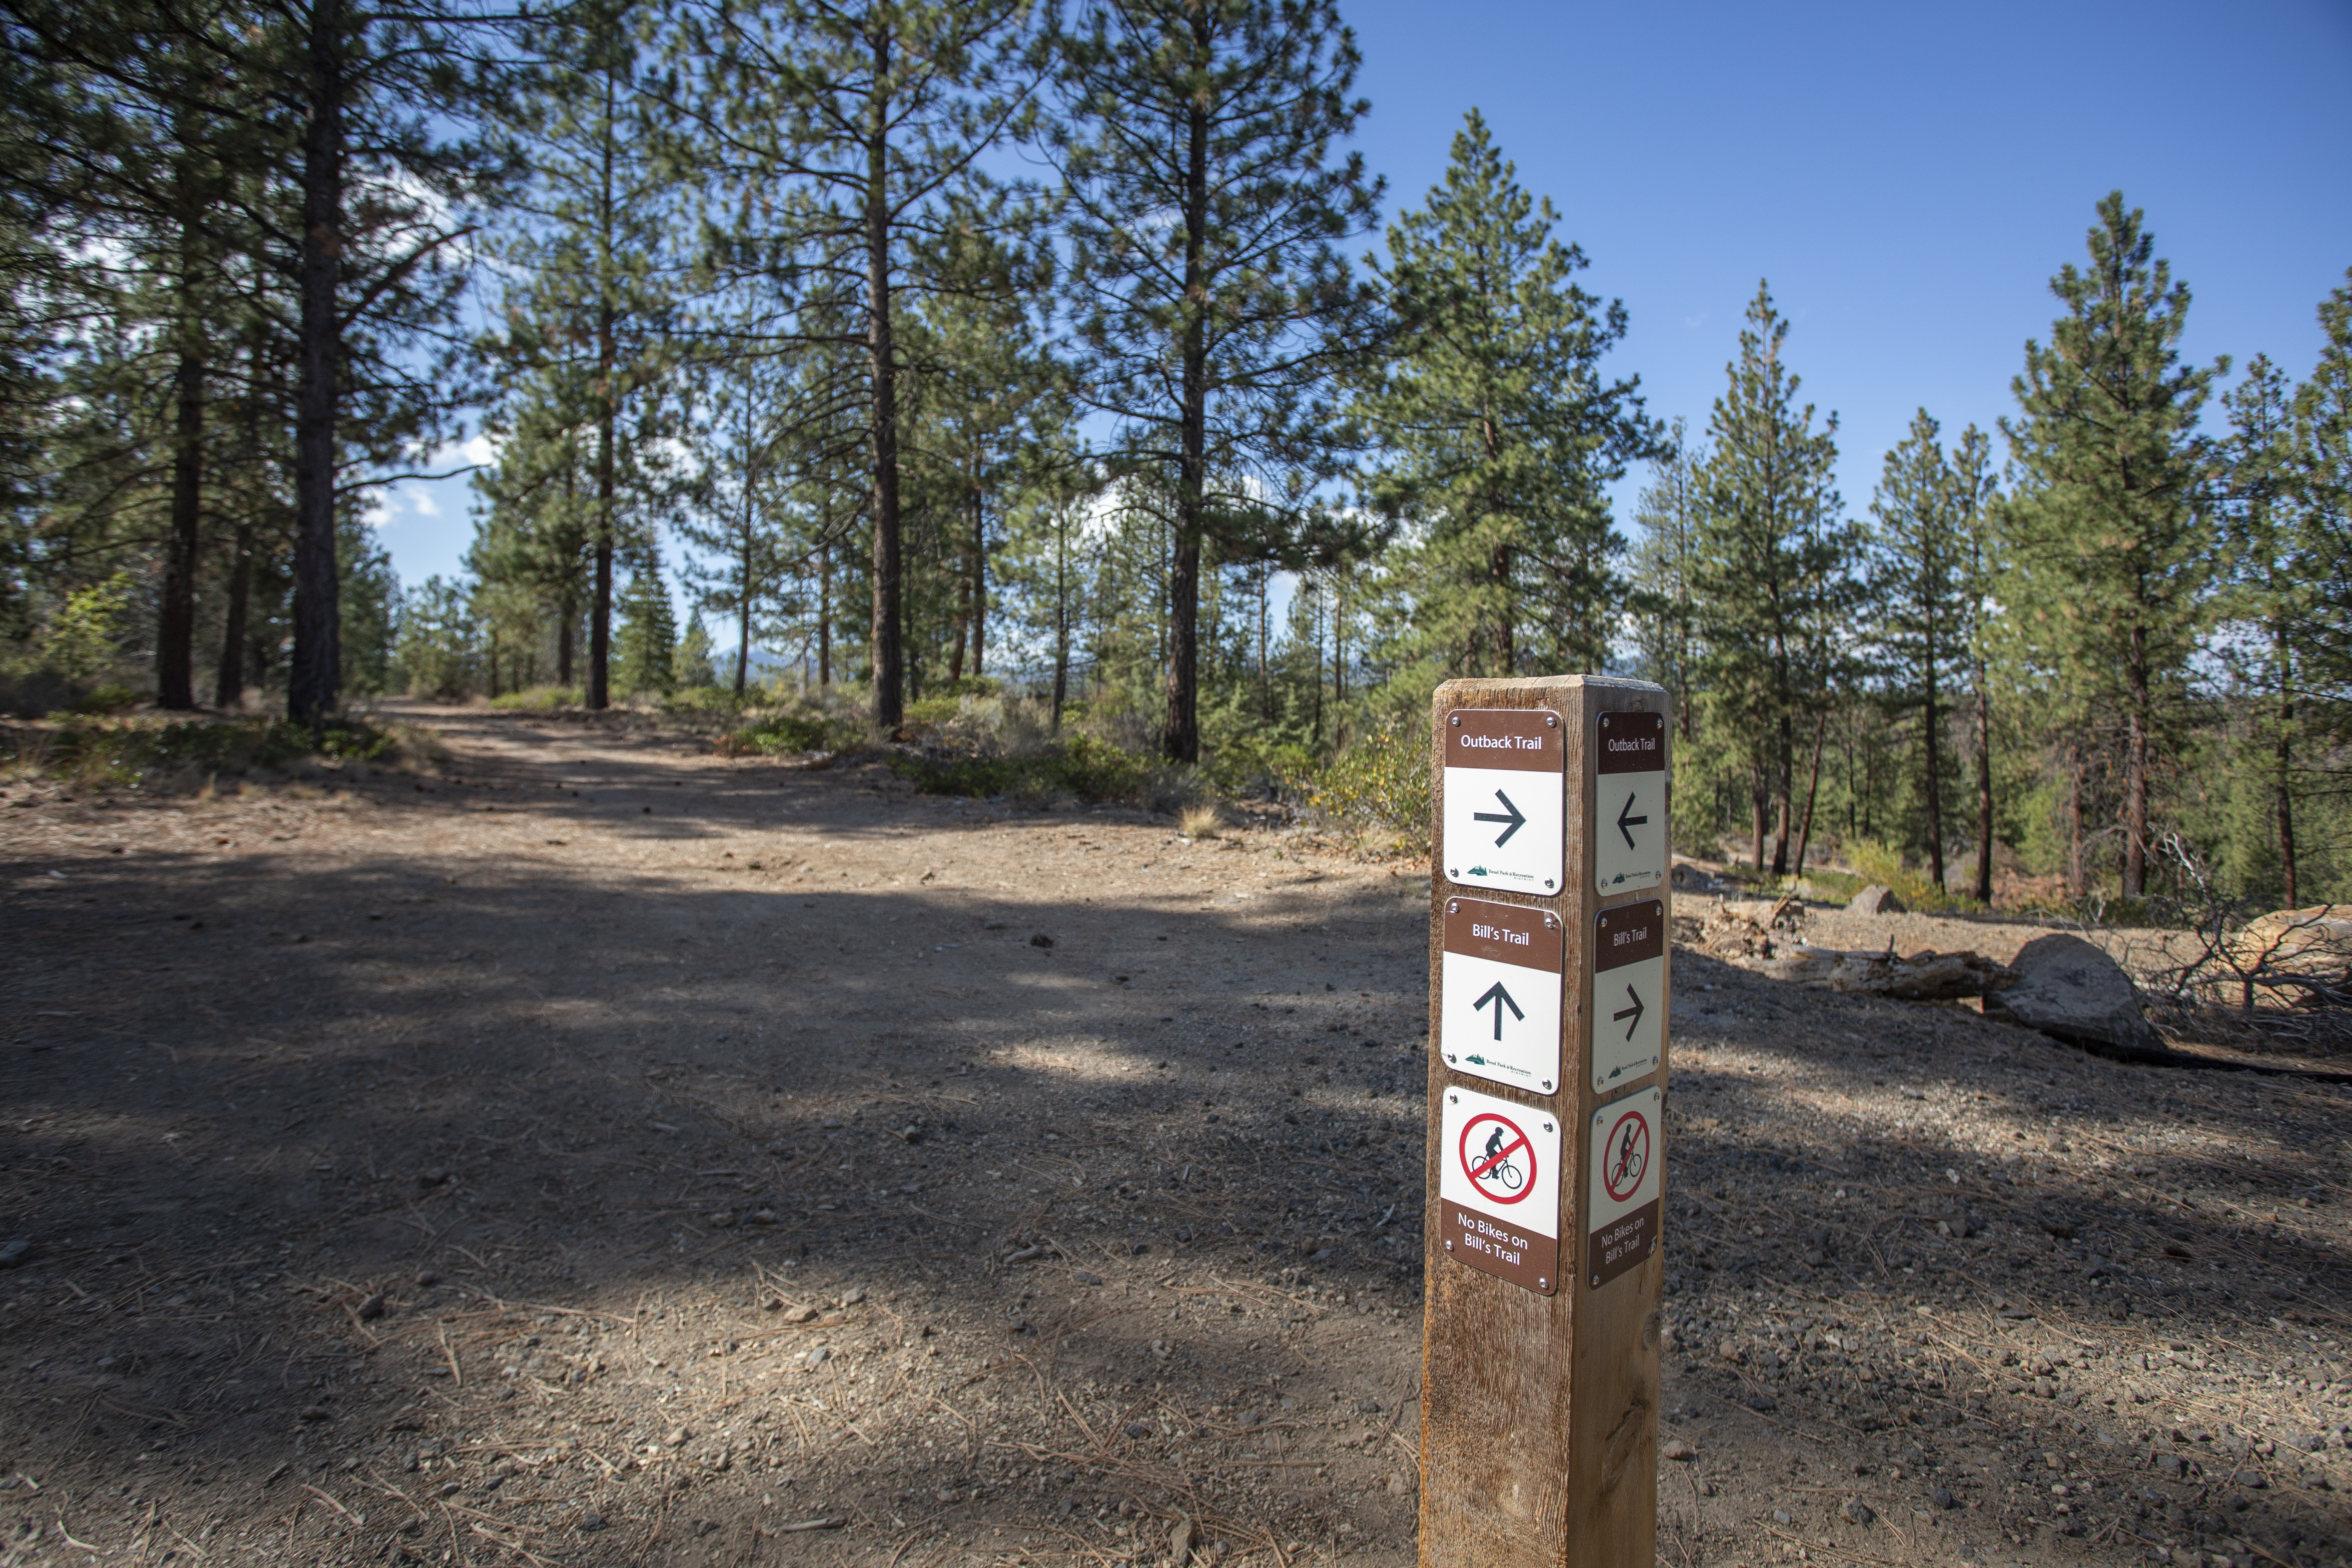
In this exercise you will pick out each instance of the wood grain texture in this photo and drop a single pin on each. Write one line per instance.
(1539, 1415)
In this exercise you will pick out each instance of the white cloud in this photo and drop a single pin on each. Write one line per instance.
(423, 501)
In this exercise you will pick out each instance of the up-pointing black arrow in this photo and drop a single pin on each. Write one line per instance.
(1634, 1013)
(1627, 821)
(1514, 818)
(1501, 999)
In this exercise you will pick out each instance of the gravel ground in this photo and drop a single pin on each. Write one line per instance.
(607, 1153)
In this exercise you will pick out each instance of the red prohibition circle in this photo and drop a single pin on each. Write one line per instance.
(1625, 1158)
(1475, 1169)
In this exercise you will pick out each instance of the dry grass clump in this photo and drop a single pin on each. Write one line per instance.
(1203, 822)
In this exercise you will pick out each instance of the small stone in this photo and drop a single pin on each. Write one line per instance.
(677, 1437)
(1398, 1485)
(852, 1298)
(431, 1178)
(1041, 939)
(803, 1314)
(1181, 1541)
(1857, 1511)
(316, 1413)
(763, 1217)
(15, 1251)
(1084, 1278)
(426, 1279)
(1781, 1516)
(1876, 899)
(1942, 1498)
(1138, 1429)
(2252, 1480)
(816, 1358)
(1678, 1450)
(720, 1219)
(1730, 1352)
(591, 1522)
(1762, 1402)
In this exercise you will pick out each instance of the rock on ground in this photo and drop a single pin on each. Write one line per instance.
(1876, 899)
(2072, 991)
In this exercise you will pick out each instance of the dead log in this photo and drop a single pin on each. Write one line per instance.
(1923, 977)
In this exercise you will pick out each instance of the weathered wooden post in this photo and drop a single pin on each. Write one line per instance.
(1548, 1008)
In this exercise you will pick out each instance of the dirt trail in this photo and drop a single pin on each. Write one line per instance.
(609, 1154)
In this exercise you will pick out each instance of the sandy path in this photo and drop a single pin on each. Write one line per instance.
(618, 1153)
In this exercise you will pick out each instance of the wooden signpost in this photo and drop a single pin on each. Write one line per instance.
(1550, 966)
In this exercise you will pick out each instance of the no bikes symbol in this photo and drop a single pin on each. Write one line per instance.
(1495, 1168)
(1625, 1157)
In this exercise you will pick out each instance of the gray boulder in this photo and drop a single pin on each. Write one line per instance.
(2072, 991)
(1876, 899)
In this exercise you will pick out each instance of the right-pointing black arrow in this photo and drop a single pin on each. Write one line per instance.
(1516, 820)
(1627, 821)
(1501, 999)
(1634, 1013)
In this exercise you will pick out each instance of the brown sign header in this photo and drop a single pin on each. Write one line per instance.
(1630, 743)
(1506, 934)
(1627, 934)
(1526, 738)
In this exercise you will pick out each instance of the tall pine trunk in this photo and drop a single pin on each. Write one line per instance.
(600, 609)
(314, 677)
(1181, 738)
(1984, 792)
(229, 678)
(1812, 792)
(1935, 791)
(824, 617)
(2135, 770)
(979, 580)
(2283, 785)
(887, 635)
(1061, 614)
(175, 629)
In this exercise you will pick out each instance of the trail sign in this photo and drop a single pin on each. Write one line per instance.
(1549, 1034)
(1499, 972)
(1629, 762)
(1498, 1187)
(1629, 993)
(1622, 1211)
(1506, 799)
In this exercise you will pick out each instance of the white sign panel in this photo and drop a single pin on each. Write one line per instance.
(1506, 799)
(1499, 979)
(1501, 1159)
(1628, 802)
(1628, 1150)
(1629, 994)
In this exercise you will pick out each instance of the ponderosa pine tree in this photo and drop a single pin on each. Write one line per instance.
(1498, 432)
(1665, 601)
(1773, 568)
(2114, 552)
(589, 240)
(1212, 305)
(2272, 583)
(2323, 458)
(1923, 545)
(838, 138)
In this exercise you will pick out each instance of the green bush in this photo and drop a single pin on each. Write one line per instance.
(1083, 765)
(1380, 785)
(1883, 864)
(798, 729)
(127, 756)
(107, 699)
(539, 698)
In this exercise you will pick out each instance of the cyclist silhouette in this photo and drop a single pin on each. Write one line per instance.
(1494, 1167)
(1630, 1158)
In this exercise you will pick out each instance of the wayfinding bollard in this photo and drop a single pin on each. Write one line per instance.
(1547, 1082)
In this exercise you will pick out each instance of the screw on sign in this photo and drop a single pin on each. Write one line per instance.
(1496, 1169)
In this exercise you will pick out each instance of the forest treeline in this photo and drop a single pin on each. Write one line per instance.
(929, 352)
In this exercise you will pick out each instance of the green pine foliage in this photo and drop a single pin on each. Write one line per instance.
(645, 661)
(1498, 430)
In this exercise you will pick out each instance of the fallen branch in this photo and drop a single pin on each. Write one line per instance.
(1923, 977)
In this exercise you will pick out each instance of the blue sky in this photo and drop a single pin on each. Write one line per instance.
(1908, 178)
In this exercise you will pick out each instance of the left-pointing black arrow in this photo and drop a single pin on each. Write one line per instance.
(1501, 999)
(1627, 821)
(1516, 820)
(1634, 1011)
